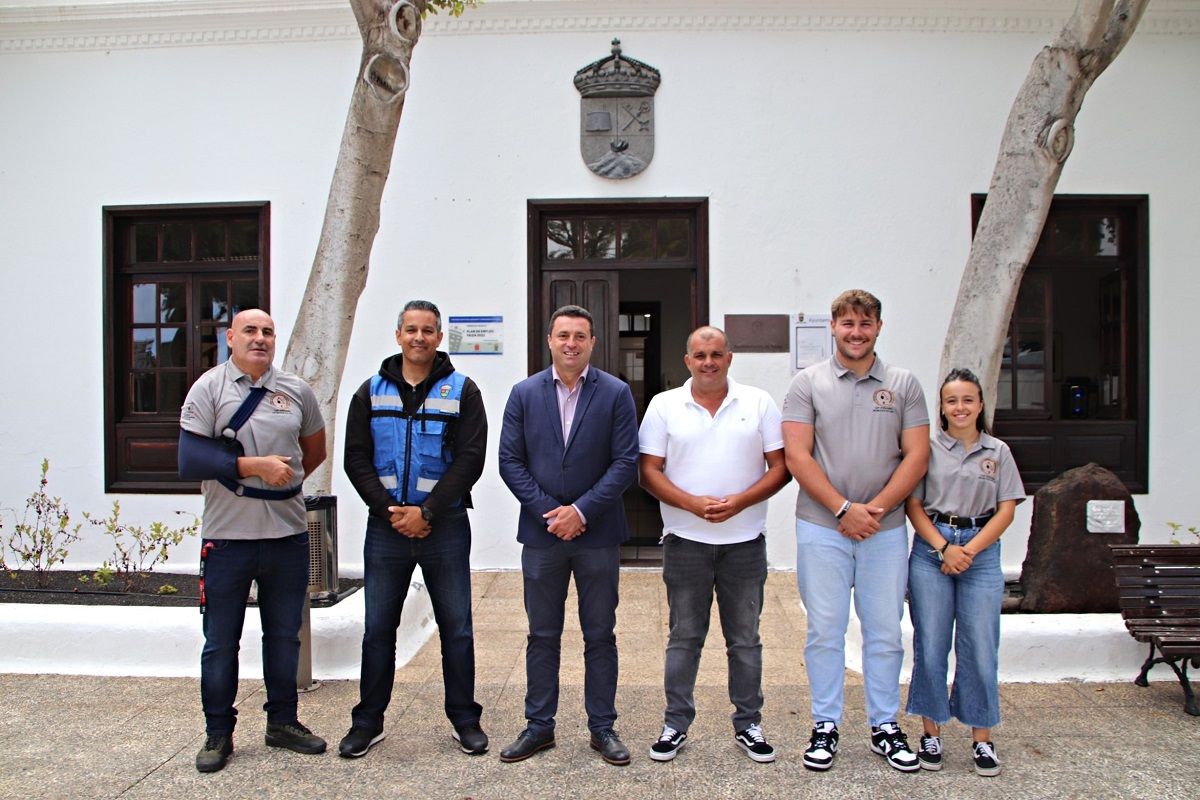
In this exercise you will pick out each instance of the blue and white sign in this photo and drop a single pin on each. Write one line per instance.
(480, 336)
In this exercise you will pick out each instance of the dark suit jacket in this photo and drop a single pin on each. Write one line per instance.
(592, 471)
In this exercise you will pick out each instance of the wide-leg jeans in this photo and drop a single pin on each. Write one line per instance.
(737, 572)
(547, 572)
(829, 567)
(389, 559)
(965, 608)
(280, 566)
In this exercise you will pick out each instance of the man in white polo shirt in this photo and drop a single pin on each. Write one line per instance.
(857, 441)
(712, 453)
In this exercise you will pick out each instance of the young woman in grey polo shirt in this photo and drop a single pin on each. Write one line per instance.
(955, 583)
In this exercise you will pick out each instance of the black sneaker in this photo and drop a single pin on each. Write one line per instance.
(669, 743)
(930, 754)
(822, 747)
(295, 737)
(214, 754)
(471, 738)
(987, 763)
(358, 741)
(755, 744)
(891, 743)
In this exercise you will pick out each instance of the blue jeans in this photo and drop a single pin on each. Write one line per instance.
(444, 557)
(829, 567)
(967, 607)
(281, 568)
(691, 571)
(547, 572)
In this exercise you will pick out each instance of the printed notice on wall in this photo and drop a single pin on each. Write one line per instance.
(480, 336)
(812, 341)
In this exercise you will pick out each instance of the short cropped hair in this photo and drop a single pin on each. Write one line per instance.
(859, 300)
(571, 311)
(708, 332)
(419, 305)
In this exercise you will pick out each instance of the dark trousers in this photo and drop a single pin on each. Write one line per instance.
(444, 557)
(280, 566)
(737, 572)
(547, 572)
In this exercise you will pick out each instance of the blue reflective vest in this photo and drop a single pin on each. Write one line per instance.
(411, 452)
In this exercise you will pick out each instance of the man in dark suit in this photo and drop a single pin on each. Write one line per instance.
(568, 451)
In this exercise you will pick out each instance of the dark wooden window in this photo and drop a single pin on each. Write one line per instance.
(1073, 379)
(174, 276)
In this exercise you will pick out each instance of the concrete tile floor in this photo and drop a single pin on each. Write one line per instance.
(75, 737)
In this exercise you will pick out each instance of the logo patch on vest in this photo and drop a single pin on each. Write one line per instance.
(884, 398)
(280, 402)
(444, 390)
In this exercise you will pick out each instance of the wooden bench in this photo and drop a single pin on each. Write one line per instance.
(1159, 591)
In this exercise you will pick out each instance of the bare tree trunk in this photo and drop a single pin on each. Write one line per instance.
(1037, 140)
(318, 344)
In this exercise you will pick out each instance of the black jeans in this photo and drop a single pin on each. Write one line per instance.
(737, 572)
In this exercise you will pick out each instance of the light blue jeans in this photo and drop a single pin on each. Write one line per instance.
(967, 608)
(829, 567)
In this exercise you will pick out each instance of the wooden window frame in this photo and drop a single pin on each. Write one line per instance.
(116, 220)
(1053, 442)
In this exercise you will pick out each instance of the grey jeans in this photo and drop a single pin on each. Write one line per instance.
(691, 571)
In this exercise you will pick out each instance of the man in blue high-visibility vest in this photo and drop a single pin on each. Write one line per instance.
(416, 436)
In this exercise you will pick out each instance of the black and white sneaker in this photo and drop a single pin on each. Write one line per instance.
(987, 763)
(822, 746)
(669, 743)
(755, 744)
(891, 743)
(930, 754)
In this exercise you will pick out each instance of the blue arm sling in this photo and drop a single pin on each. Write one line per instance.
(204, 458)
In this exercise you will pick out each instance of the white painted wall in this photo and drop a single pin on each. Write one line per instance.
(836, 150)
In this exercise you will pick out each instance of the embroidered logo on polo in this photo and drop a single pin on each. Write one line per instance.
(280, 402)
(884, 399)
(988, 467)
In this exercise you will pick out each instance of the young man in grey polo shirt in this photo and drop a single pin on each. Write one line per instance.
(856, 437)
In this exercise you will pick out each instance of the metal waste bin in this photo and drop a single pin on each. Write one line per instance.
(322, 546)
(322, 575)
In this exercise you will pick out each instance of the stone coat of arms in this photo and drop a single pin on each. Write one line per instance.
(616, 132)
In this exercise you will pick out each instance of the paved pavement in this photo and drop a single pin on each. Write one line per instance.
(76, 737)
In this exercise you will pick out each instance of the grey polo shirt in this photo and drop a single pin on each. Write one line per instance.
(857, 424)
(288, 412)
(969, 484)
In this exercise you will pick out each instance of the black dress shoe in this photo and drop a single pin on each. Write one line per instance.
(608, 744)
(528, 743)
(471, 738)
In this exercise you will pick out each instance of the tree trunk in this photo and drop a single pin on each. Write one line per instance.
(1037, 140)
(321, 337)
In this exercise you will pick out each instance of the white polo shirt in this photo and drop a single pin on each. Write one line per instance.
(715, 455)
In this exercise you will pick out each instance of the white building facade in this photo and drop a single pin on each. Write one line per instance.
(801, 148)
